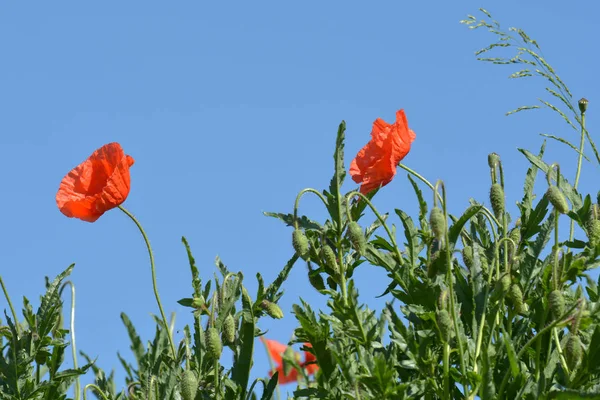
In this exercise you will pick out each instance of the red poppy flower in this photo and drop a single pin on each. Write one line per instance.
(375, 164)
(276, 351)
(97, 185)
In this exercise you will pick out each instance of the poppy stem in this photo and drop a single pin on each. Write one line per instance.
(153, 268)
(421, 178)
(12, 309)
(72, 331)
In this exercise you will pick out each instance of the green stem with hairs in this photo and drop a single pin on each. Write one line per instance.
(578, 172)
(154, 285)
(421, 178)
(72, 332)
(12, 309)
(92, 386)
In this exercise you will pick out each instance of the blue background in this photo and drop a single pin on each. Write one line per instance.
(230, 109)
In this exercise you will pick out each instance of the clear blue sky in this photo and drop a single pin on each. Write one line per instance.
(229, 110)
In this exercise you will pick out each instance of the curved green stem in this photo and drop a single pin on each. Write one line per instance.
(72, 332)
(154, 285)
(578, 172)
(12, 309)
(447, 370)
(420, 177)
(92, 386)
(297, 202)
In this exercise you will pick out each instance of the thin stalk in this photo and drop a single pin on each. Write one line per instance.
(154, 285)
(72, 332)
(421, 178)
(297, 202)
(12, 309)
(563, 361)
(92, 386)
(447, 370)
(578, 173)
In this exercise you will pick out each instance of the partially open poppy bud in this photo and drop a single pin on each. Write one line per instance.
(516, 296)
(593, 230)
(328, 255)
(188, 387)
(583, 103)
(444, 323)
(228, 334)
(437, 222)
(357, 237)
(467, 253)
(497, 199)
(493, 160)
(300, 243)
(556, 301)
(272, 309)
(557, 199)
(214, 347)
(573, 351)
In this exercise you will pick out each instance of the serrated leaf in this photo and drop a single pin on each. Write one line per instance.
(303, 221)
(457, 227)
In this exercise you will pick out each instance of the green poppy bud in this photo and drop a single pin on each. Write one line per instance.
(444, 323)
(357, 237)
(328, 255)
(443, 300)
(516, 296)
(228, 334)
(467, 253)
(556, 301)
(214, 347)
(188, 387)
(497, 199)
(583, 103)
(437, 221)
(272, 309)
(593, 230)
(557, 199)
(300, 243)
(573, 351)
(493, 160)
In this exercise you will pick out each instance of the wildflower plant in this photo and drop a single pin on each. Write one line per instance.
(480, 303)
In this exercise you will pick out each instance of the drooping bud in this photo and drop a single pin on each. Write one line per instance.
(556, 302)
(573, 351)
(583, 103)
(272, 309)
(300, 243)
(497, 199)
(444, 323)
(228, 334)
(443, 300)
(493, 160)
(328, 256)
(593, 231)
(557, 199)
(188, 387)
(437, 222)
(214, 347)
(515, 294)
(357, 237)
(467, 253)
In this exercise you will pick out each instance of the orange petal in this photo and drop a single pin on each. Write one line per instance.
(98, 184)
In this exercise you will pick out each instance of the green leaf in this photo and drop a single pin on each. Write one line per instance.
(457, 227)
(411, 235)
(243, 363)
(136, 343)
(273, 288)
(271, 386)
(570, 394)
(196, 282)
(421, 200)
(338, 157)
(512, 355)
(303, 222)
(564, 141)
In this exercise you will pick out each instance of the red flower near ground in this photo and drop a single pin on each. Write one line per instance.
(97, 185)
(375, 164)
(276, 351)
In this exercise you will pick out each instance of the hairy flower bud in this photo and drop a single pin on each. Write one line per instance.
(593, 230)
(493, 160)
(516, 296)
(437, 221)
(583, 103)
(328, 255)
(188, 387)
(443, 300)
(444, 323)
(497, 199)
(228, 334)
(557, 199)
(357, 237)
(573, 351)
(300, 243)
(467, 253)
(214, 347)
(272, 309)
(556, 301)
